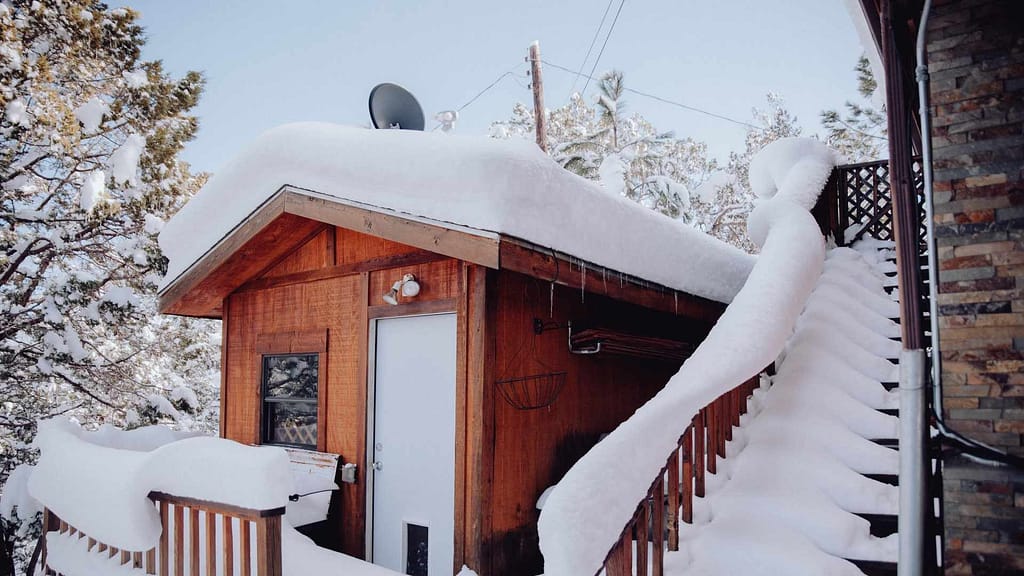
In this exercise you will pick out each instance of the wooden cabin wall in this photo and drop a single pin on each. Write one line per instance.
(327, 287)
(533, 449)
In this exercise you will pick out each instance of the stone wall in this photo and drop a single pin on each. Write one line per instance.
(976, 53)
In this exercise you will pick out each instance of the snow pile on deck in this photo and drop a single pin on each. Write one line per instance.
(100, 482)
(493, 186)
(785, 498)
(585, 514)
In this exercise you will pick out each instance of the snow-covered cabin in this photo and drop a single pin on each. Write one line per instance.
(452, 315)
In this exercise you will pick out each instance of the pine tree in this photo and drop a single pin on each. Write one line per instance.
(671, 175)
(90, 136)
(859, 135)
(622, 151)
(721, 206)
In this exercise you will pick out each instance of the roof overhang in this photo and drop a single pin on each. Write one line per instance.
(293, 214)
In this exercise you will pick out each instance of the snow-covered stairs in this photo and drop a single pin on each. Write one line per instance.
(810, 482)
(883, 525)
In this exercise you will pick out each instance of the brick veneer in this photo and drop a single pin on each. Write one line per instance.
(976, 60)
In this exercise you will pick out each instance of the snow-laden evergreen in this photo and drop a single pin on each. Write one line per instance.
(673, 175)
(90, 134)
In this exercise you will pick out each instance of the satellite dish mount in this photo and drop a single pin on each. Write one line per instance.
(392, 106)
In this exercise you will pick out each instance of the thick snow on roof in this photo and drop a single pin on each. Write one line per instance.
(496, 186)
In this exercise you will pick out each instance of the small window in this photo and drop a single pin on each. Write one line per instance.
(290, 390)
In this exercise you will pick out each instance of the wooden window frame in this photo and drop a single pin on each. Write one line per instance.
(288, 343)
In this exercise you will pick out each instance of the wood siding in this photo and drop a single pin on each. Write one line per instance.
(316, 290)
(331, 283)
(533, 449)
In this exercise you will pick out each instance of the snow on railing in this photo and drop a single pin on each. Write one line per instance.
(585, 515)
(679, 481)
(137, 504)
(197, 538)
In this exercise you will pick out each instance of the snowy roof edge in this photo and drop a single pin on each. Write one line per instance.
(505, 187)
(169, 283)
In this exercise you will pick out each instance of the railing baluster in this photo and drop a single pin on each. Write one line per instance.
(246, 548)
(658, 530)
(179, 540)
(211, 544)
(47, 519)
(268, 558)
(229, 545)
(151, 561)
(673, 501)
(698, 454)
(627, 553)
(687, 482)
(641, 535)
(165, 549)
(724, 423)
(193, 538)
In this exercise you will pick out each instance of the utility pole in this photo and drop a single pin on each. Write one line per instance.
(538, 96)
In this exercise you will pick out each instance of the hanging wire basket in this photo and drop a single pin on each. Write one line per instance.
(532, 392)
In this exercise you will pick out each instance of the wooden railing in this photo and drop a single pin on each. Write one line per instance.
(198, 538)
(860, 194)
(670, 497)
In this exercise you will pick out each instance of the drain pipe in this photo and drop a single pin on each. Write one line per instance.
(921, 75)
(913, 494)
(913, 405)
(913, 375)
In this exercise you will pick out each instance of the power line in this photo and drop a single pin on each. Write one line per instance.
(665, 100)
(509, 72)
(489, 86)
(589, 50)
(610, 30)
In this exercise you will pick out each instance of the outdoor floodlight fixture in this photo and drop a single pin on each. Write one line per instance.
(407, 286)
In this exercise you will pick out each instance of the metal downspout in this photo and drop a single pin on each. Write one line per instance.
(921, 75)
(913, 405)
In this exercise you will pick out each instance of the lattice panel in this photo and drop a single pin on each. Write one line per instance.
(866, 198)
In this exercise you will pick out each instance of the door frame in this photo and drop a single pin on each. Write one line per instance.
(371, 405)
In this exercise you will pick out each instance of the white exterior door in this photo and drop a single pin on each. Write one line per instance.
(412, 444)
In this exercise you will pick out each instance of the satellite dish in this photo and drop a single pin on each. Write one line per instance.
(392, 106)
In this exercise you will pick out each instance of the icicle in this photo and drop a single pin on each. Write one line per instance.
(604, 279)
(583, 281)
(551, 304)
(675, 296)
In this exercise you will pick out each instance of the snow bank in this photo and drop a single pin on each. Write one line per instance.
(99, 482)
(576, 534)
(494, 186)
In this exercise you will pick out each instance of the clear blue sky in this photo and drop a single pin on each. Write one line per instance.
(269, 63)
